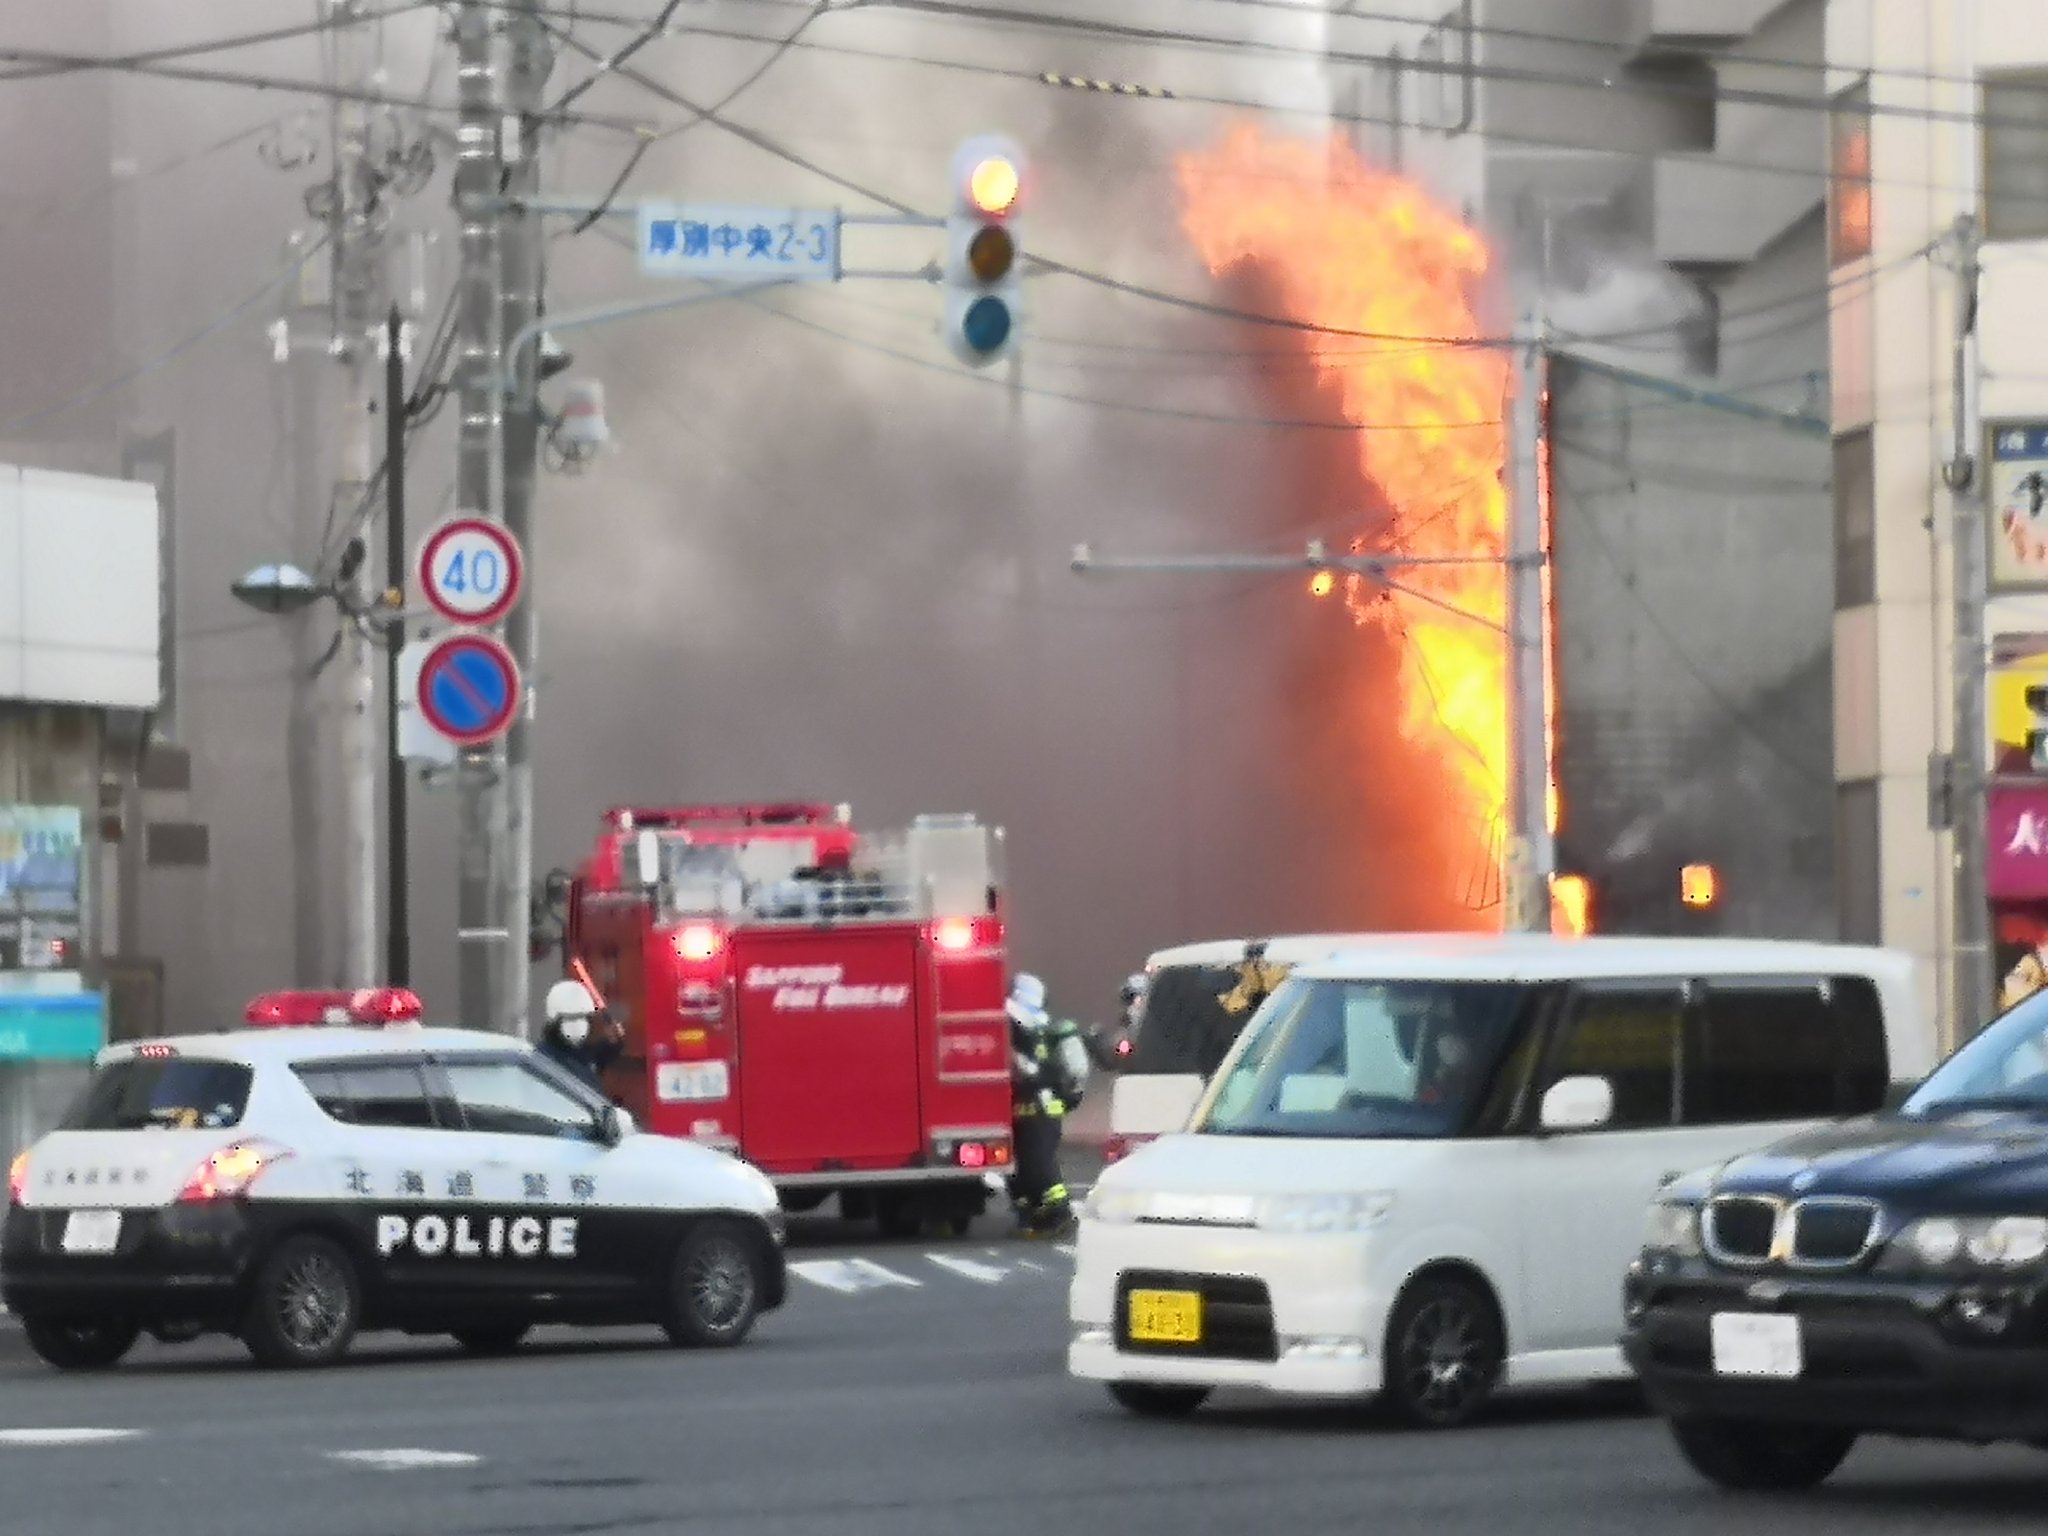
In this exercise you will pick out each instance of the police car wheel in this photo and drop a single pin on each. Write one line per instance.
(501, 1340)
(306, 1305)
(714, 1291)
(75, 1346)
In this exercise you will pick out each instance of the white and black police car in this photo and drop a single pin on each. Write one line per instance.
(338, 1168)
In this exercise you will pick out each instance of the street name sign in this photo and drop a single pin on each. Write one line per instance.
(731, 240)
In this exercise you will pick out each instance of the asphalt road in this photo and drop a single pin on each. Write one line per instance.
(907, 1389)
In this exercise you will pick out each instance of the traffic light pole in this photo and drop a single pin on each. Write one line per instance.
(1973, 980)
(1532, 857)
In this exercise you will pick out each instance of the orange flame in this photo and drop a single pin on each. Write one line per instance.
(1372, 258)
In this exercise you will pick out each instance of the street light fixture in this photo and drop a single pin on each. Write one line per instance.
(279, 589)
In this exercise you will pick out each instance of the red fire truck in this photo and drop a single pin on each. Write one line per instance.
(824, 1002)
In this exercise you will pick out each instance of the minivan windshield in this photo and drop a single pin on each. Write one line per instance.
(1399, 1060)
(2004, 1068)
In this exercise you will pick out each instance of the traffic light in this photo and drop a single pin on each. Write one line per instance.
(982, 260)
(2037, 727)
(1697, 886)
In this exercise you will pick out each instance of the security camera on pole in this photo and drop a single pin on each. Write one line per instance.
(983, 287)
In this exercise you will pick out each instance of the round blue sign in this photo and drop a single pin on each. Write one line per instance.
(469, 689)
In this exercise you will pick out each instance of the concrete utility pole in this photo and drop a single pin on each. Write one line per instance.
(1531, 853)
(521, 257)
(358, 274)
(479, 468)
(1971, 808)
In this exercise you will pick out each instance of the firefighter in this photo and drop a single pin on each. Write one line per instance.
(579, 1037)
(1049, 1069)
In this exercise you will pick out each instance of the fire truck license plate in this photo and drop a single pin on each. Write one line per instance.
(689, 1082)
(1166, 1317)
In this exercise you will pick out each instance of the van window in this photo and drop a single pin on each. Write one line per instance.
(179, 1093)
(370, 1093)
(1766, 1051)
(1193, 1015)
(1393, 1059)
(1634, 1038)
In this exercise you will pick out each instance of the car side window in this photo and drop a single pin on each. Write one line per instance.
(389, 1094)
(1633, 1037)
(1766, 1050)
(509, 1098)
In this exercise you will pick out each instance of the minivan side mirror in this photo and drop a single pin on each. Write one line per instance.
(614, 1125)
(1577, 1104)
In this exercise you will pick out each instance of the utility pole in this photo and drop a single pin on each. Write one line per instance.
(479, 468)
(1972, 976)
(521, 252)
(1531, 854)
(397, 831)
(358, 273)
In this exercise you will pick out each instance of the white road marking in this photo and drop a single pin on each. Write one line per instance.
(64, 1436)
(1033, 1265)
(987, 1274)
(405, 1459)
(849, 1275)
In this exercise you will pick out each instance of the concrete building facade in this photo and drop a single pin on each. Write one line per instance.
(1940, 112)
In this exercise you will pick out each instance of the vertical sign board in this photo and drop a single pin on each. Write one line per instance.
(2017, 507)
(41, 886)
(470, 570)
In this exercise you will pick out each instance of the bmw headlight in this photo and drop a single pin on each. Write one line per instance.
(1672, 1227)
(1325, 1213)
(1978, 1242)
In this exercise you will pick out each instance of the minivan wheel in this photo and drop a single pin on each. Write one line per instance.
(305, 1306)
(1444, 1353)
(80, 1346)
(1758, 1457)
(1155, 1402)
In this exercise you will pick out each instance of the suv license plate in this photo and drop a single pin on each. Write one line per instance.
(1166, 1317)
(1757, 1344)
(92, 1232)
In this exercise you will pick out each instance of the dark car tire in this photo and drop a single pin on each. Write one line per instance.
(714, 1287)
(1157, 1402)
(305, 1305)
(1758, 1457)
(1444, 1353)
(80, 1346)
(501, 1339)
(899, 1216)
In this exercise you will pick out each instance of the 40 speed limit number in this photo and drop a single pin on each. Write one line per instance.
(470, 570)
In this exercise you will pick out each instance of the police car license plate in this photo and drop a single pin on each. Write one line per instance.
(1166, 1317)
(1757, 1344)
(92, 1231)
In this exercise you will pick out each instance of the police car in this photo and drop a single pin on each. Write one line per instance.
(338, 1168)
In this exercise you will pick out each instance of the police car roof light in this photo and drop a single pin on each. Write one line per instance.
(387, 1005)
(300, 1008)
(228, 1173)
(17, 1179)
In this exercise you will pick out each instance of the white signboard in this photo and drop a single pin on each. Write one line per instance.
(2018, 507)
(728, 240)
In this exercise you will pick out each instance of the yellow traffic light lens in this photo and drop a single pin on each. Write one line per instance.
(993, 185)
(990, 253)
(1322, 584)
(1697, 885)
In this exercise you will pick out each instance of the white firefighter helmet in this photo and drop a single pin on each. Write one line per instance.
(1027, 1002)
(569, 999)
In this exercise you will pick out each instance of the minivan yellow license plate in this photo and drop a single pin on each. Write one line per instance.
(1166, 1317)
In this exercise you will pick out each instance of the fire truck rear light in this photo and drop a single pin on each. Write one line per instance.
(17, 1179)
(972, 1154)
(228, 1173)
(955, 933)
(699, 942)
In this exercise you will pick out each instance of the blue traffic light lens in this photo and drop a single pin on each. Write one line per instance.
(986, 325)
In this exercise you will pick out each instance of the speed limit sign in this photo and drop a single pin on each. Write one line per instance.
(470, 570)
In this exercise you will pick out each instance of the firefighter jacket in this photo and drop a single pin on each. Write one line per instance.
(1041, 1082)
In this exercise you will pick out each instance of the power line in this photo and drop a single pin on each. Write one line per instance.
(212, 327)
(44, 63)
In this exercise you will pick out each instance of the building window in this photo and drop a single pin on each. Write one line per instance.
(1859, 905)
(2016, 158)
(1855, 520)
(1849, 202)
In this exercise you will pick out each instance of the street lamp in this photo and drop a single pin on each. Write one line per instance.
(279, 589)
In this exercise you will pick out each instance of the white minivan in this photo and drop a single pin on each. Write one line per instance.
(1421, 1170)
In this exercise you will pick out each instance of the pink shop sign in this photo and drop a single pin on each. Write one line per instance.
(2016, 863)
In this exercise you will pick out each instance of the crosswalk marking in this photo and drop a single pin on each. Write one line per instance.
(848, 1275)
(987, 1274)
